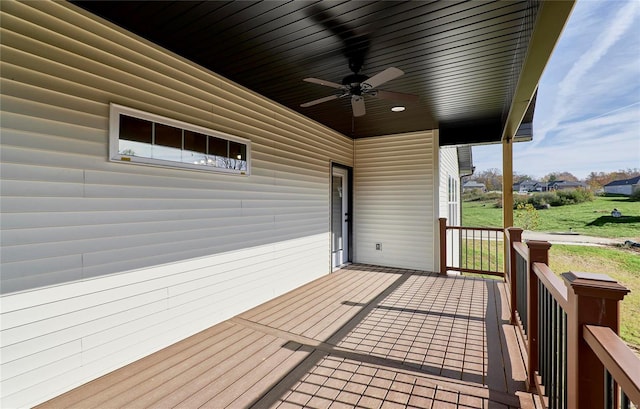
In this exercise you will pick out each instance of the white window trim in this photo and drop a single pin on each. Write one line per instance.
(114, 137)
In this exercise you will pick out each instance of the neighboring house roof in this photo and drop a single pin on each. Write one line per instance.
(623, 182)
(565, 183)
(473, 184)
(465, 160)
(526, 183)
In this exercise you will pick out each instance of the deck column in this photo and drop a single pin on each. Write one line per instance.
(443, 245)
(538, 253)
(594, 299)
(512, 235)
(507, 189)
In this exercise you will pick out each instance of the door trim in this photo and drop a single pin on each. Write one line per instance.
(349, 239)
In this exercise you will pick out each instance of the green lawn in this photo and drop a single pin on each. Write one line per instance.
(590, 218)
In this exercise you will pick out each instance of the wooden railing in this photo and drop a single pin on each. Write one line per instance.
(575, 358)
(477, 250)
(619, 361)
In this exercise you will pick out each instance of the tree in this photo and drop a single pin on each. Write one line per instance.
(552, 177)
(597, 180)
(519, 178)
(492, 178)
(527, 216)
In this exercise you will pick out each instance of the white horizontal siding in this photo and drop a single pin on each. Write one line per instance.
(103, 263)
(394, 200)
(449, 168)
(619, 190)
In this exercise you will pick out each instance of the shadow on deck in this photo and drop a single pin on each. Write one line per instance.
(363, 337)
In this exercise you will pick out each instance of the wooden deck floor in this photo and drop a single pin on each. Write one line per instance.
(363, 337)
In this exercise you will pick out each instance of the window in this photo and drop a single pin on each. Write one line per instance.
(453, 192)
(144, 138)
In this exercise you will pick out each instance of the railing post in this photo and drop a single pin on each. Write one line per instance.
(513, 235)
(594, 299)
(443, 245)
(538, 253)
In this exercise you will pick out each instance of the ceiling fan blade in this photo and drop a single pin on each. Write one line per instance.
(396, 96)
(323, 82)
(319, 101)
(382, 77)
(357, 104)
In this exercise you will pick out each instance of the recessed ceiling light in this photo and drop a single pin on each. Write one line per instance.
(398, 109)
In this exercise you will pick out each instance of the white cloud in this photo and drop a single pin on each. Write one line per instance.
(568, 91)
(589, 129)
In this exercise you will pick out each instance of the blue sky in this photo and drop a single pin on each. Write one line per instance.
(588, 110)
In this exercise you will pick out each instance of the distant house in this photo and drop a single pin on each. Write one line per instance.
(535, 186)
(540, 187)
(623, 187)
(565, 185)
(473, 185)
(525, 186)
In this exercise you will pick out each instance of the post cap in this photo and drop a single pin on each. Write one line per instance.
(594, 285)
(538, 244)
(515, 232)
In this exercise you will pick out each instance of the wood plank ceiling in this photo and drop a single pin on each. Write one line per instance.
(462, 58)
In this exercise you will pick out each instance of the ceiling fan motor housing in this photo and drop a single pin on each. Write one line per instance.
(353, 81)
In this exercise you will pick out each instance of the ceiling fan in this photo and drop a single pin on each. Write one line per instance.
(357, 86)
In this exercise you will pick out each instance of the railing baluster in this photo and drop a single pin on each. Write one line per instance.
(495, 238)
(481, 250)
(625, 402)
(521, 273)
(563, 333)
(452, 248)
(609, 393)
(551, 338)
(553, 382)
(466, 248)
(555, 353)
(473, 240)
(543, 327)
(497, 261)
(549, 385)
(542, 355)
(548, 325)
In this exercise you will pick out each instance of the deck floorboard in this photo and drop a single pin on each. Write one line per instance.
(365, 336)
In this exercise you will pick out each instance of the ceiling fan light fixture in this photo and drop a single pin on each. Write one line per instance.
(398, 108)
